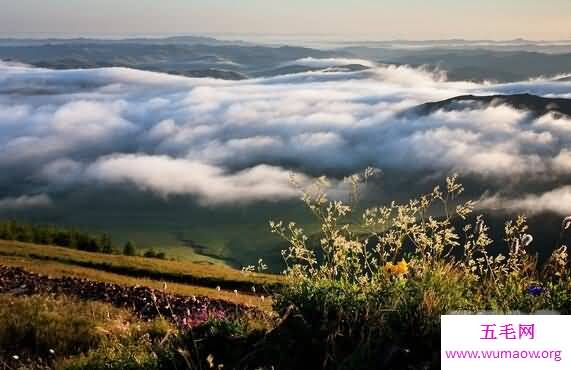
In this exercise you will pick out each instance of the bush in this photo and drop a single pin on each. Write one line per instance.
(382, 280)
(129, 249)
(152, 254)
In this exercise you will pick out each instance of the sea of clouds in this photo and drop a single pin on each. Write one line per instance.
(225, 142)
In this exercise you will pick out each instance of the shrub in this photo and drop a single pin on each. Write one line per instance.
(129, 249)
(383, 279)
(150, 254)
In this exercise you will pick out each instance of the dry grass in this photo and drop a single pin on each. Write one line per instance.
(58, 269)
(45, 332)
(37, 324)
(198, 270)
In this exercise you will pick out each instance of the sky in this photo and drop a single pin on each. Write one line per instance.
(357, 19)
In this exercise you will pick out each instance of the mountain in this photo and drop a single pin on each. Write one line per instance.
(208, 57)
(228, 61)
(535, 104)
(473, 64)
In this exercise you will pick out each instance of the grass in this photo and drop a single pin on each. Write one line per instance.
(45, 332)
(360, 293)
(236, 235)
(40, 330)
(359, 296)
(202, 273)
(58, 269)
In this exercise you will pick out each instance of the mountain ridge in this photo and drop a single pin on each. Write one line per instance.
(535, 104)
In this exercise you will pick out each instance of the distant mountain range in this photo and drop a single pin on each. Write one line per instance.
(198, 56)
(532, 103)
(191, 59)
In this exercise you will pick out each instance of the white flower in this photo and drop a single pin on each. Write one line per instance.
(52, 352)
(218, 288)
(516, 246)
(235, 292)
(16, 357)
(567, 223)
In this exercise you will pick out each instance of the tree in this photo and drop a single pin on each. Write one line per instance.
(106, 244)
(150, 254)
(129, 249)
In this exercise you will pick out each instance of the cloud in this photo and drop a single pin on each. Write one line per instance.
(557, 200)
(236, 141)
(329, 62)
(211, 185)
(25, 201)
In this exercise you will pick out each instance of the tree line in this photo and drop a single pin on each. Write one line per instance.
(69, 238)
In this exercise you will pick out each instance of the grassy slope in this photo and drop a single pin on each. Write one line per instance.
(237, 235)
(188, 278)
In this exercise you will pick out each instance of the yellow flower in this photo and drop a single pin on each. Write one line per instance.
(398, 269)
(402, 267)
(389, 267)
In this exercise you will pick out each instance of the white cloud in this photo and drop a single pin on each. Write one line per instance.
(329, 62)
(150, 130)
(557, 200)
(25, 201)
(169, 176)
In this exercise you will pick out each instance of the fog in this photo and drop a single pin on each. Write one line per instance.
(228, 142)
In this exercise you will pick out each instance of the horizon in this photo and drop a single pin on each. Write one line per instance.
(322, 41)
(336, 37)
(387, 20)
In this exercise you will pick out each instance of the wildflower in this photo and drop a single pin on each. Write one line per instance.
(398, 269)
(218, 288)
(535, 289)
(235, 292)
(567, 223)
(210, 360)
(402, 267)
(480, 227)
(389, 267)
(516, 246)
(16, 357)
(253, 289)
(52, 352)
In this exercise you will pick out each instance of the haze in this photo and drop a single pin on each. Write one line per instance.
(362, 19)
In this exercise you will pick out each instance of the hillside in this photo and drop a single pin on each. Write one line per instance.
(537, 105)
(185, 278)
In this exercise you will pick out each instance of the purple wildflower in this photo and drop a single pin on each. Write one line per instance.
(535, 290)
